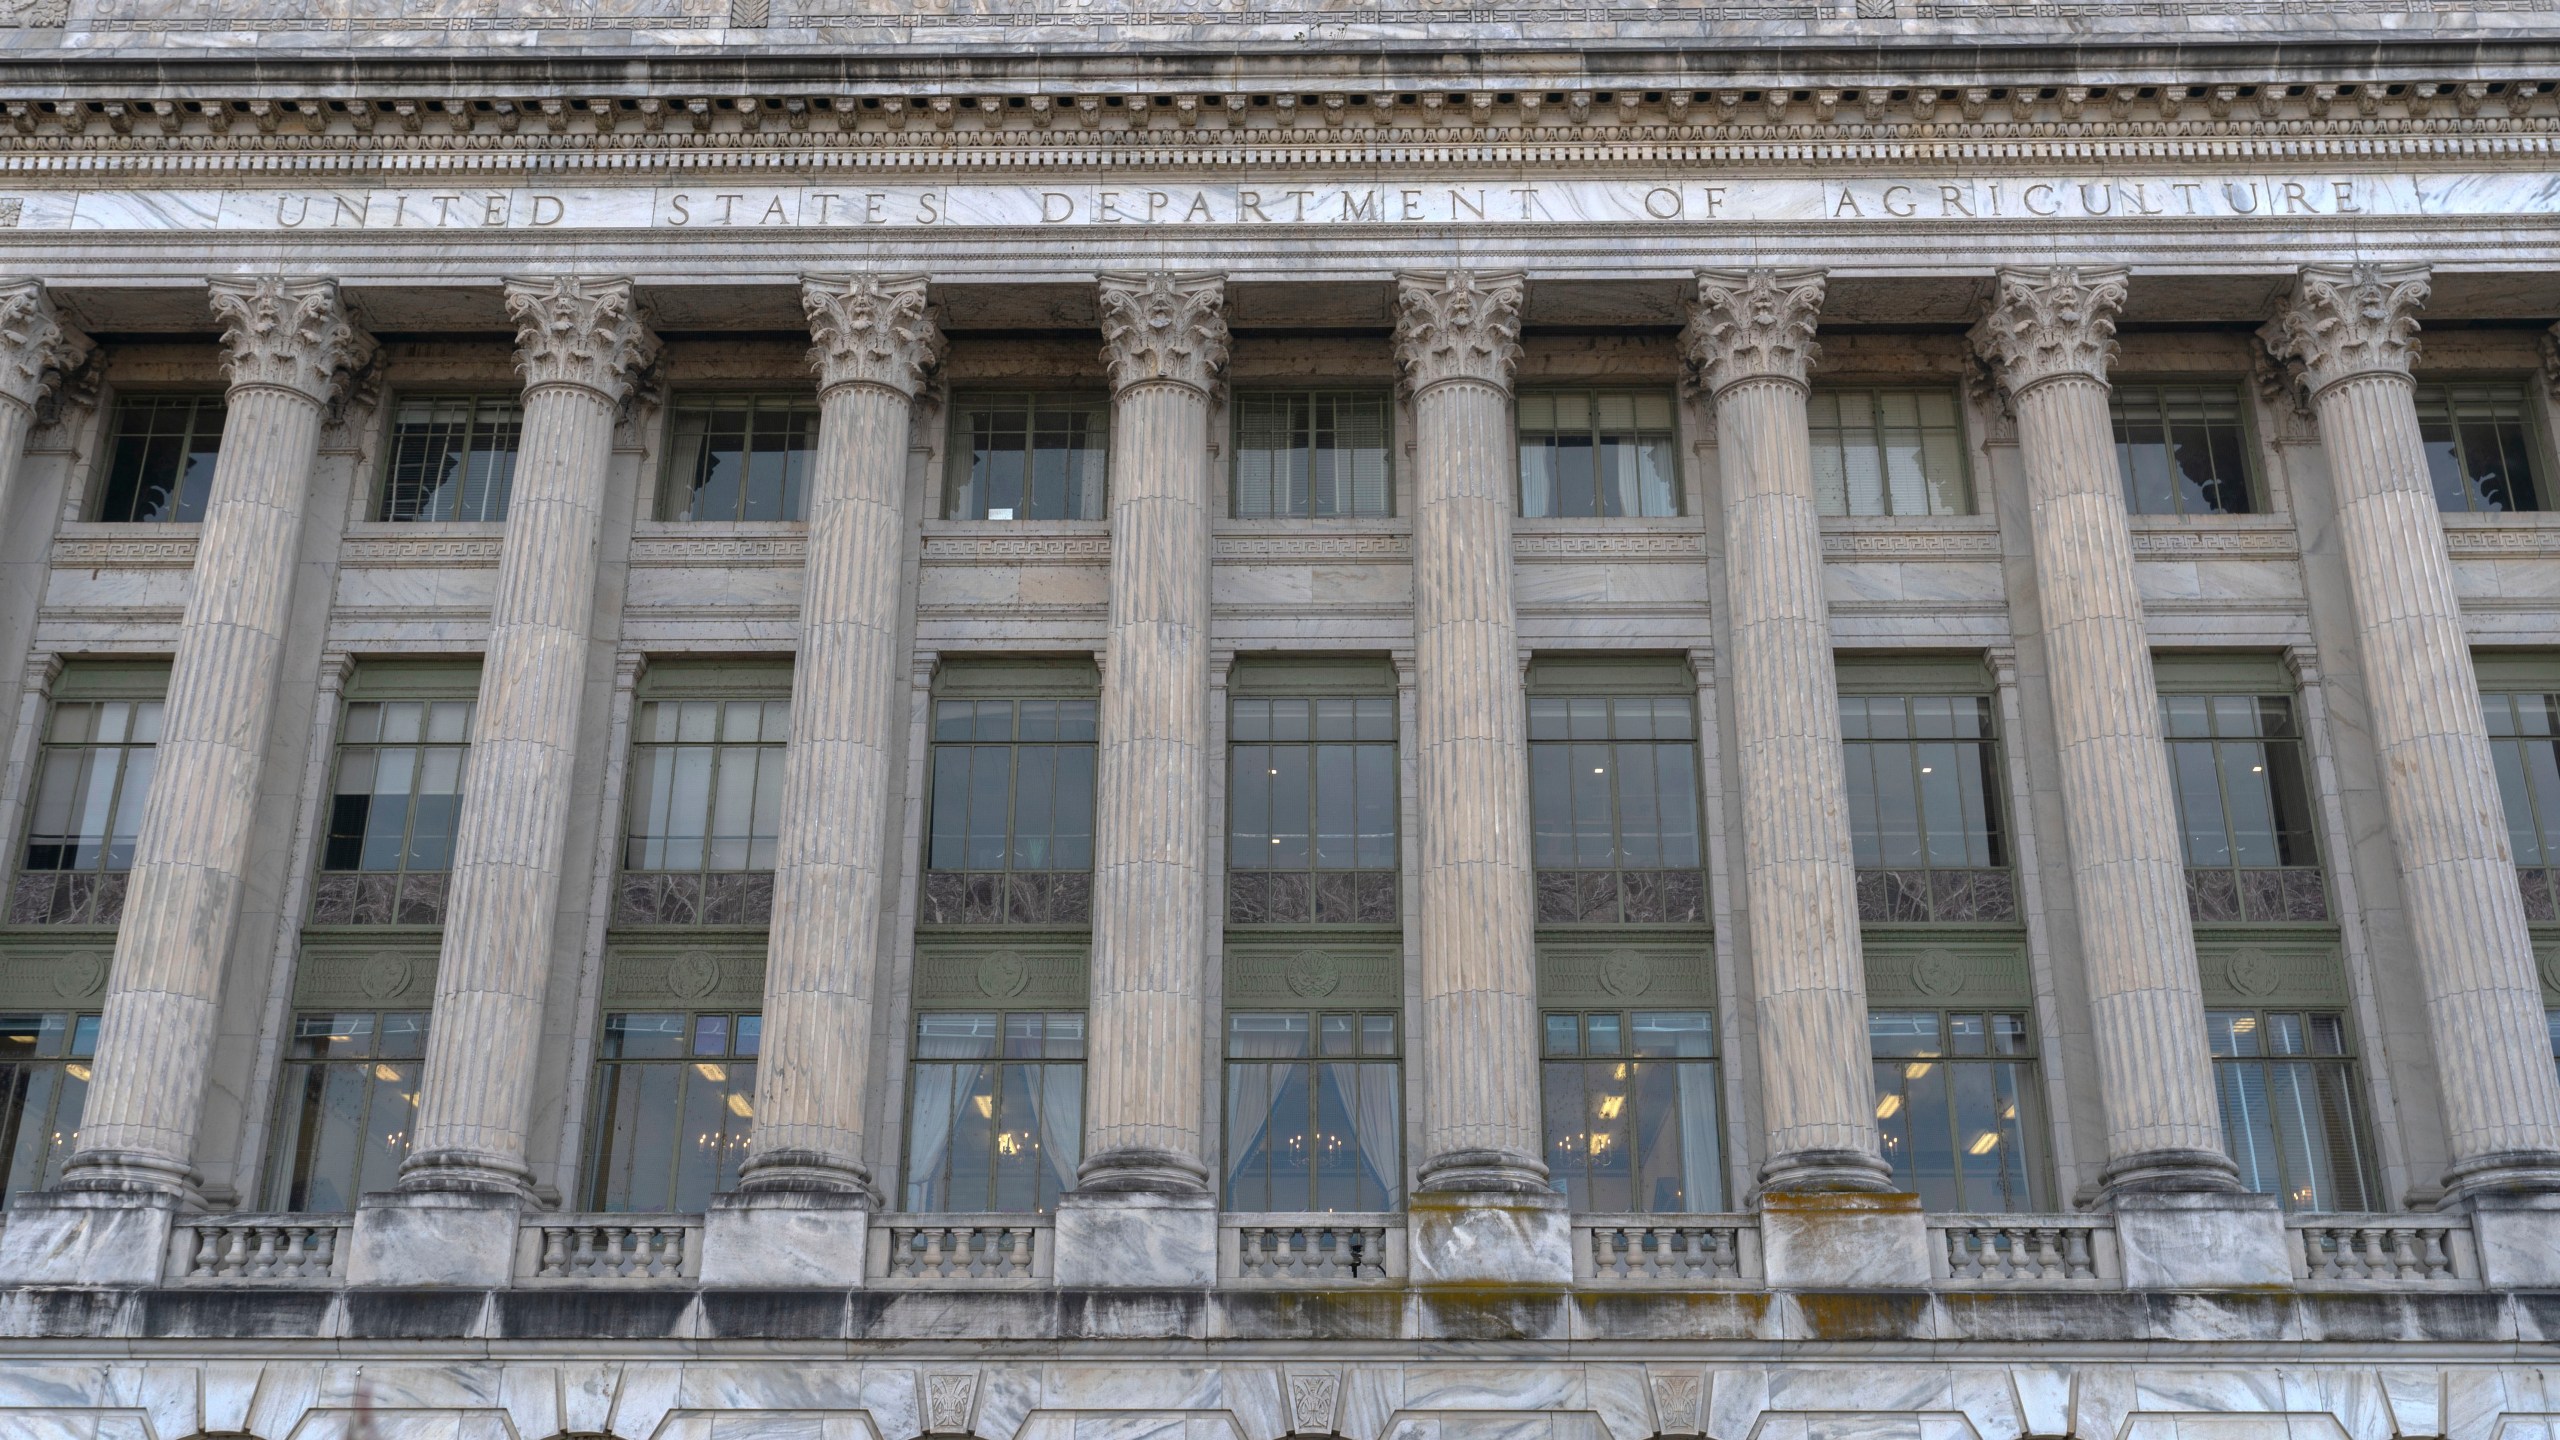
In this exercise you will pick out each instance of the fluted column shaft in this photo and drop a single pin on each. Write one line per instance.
(1751, 338)
(2051, 336)
(1165, 341)
(288, 347)
(1457, 339)
(578, 343)
(875, 343)
(2354, 330)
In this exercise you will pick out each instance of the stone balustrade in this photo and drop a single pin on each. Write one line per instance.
(2390, 1252)
(2028, 1250)
(302, 1249)
(1689, 1250)
(1311, 1249)
(661, 1249)
(962, 1249)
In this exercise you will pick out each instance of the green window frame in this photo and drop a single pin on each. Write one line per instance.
(1956, 1108)
(2524, 743)
(451, 457)
(1598, 453)
(1315, 1111)
(1888, 450)
(2242, 782)
(1313, 795)
(1010, 835)
(93, 775)
(739, 457)
(1615, 805)
(1634, 1110)
(1313, 454)
(161, 455)
(1032, 455)
(2484, 451)
(704, 811)
(675, 1095)
(347, 1109)
(995, 1113)
(395, 802)
(2184, 448)
(1927, 818)
(44, 1086)
(2293, 1106)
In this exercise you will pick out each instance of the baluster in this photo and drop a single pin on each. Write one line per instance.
(2078, 1261)
(555, 1253)
(1728, 1253)
(930, 1263)
(1959, 1263)
(2436, 1253)
(1017, 1252)
(2315, 1256)
(297, 1244)
(324, 1251)
(235, 1251)
(208, 1257)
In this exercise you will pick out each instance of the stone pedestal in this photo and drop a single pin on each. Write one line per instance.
(1479, 1238)
(2518, 1237)
(1844, 1242)
(434, 1237)
(786, 1238)
(1137, 1240)
(84, 1237)
(2198, 1241)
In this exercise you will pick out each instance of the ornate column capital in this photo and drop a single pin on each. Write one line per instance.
(37, 346)
(288, 335)
(2045, 324)
(1164, 326)
(572, 330)
(1461, 325)
(1752, 325)
(870, 330)
(2348, 320)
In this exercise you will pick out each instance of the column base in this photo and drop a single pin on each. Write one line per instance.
(2501, 1173)
(1826, 1172)
(1489, 1237)
(465, 1172)
(2201, 1241)
(1137, 1240)
(2169, 1172)
(87, 1237)
(126, 1172)
(806, 1172)
(1141, 1169)
(1844, 1241)
(434, 1237)
(787, 1238)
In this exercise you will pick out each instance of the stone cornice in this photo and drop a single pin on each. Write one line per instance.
(572, 330)
(1163, 327)
(1751, 325)
(871, 330)
(2045, 324)
(2348, 320)
(289, 335)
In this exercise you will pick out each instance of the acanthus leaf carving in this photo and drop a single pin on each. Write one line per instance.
(2349, 320)
(1461, 325)
(289, 334)
(2045, 324)
(871, 330)
(1164, 326)
(38, 348)
(572, 330)
(1753, 324)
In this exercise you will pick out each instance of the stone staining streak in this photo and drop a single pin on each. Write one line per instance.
(2050, 337)
(579, 343)
(1749, 340)
(875, 345)
(38, 348)
(288, 347)
(1165, 343)
(1458, 339)
(2353, 332)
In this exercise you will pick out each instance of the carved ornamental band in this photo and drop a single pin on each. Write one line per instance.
(2349, 320)
(290, 335)
(870, 330)
(1753, 325)
(2046, 324)
(37, 346)
(575, 331)
(1463, 325)
(1163, 326)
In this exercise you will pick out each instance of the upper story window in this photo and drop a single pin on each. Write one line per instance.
(1879, 451)
(452, 457)
(1597, 452)
(1314, 1111)
(705, 812)
(393, 808)
(675, 1110)
(1954, 1090)
(740, 457)
(44, 1085)
(1632, 1119)
(2182, 449)
(1312, 796)
(349, 1107)
(1311, 454)
(1010, 840)
(2244, 806)
(160, 458)
(2481, 446)
(2524, 740)
(1032, 456)
(1613, 794)
(93, 773)
(996, 1110)
(1925, 821)
(2291, 1113)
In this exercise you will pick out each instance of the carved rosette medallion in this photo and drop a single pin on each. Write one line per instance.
(1163, 326)
(1753, 325)
(693, 974)
(571, 330)
(1002, 975)
(37, 346)
(2349, 320)
(1463, 325)
(1625, 974)
(871, 330)
(1313, 974)
(2252, 973)
(2049, 324)
(1937, 974)
(288, 335)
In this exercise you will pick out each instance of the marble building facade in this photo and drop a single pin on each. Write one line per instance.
(1034, 720)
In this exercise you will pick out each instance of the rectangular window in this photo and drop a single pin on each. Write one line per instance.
(996, 1111)
(44, 1083)
(1632, 1120)
(2290, 1112)
(705, 811)
(2524, 741)
(452, 457)
(1597, 452)
(93, 773)
(160, 459)
(2244, 806)
(1311, 453)
(1315, 1115)
(1953, 1097)
(1613, 791)
(2182, 449)
(1924, 808)
(392, 812)
(2481, 449)
(740, 457)
(675, 1110)
(349, 1107)
(1011, 838)
(1312, 795)
(1028, 457)
(1887, 452)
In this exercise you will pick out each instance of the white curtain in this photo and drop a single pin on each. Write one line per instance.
(937, 1090)
(1379, 1126)
(1701, 1164)
(1059, 1100)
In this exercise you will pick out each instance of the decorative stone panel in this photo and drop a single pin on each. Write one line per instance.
(1947, 973)
(1314, 975)
(375, 973)
(2271, 972)
(685, 973)
(999, 974)
(1602, 976)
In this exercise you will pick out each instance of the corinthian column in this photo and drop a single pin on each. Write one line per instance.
(578, 343)
(2353, 333)
(288, 348)
(1749, 339)
(2049, 337)
(37, 348)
